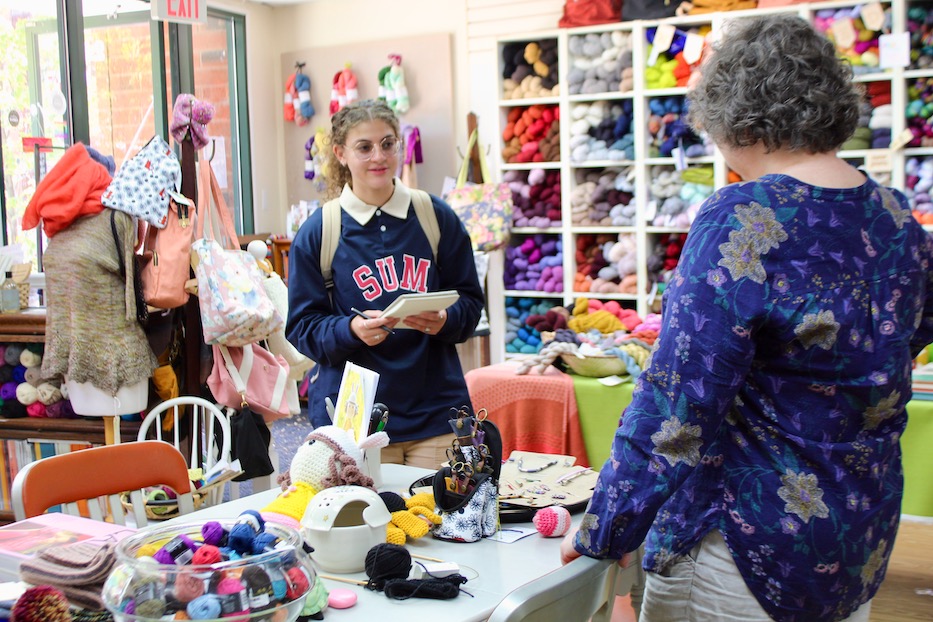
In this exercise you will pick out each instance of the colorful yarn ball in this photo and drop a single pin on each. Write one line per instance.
(188, 586)
(206, 555)
(298, 584)
(36, 409)
(206, 607)
(234, 600)
(26, 394)
(552, 522)
(28, 358)
(213, 533)
(42, 603)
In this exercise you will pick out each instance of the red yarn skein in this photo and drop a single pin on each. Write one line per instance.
(207, 554)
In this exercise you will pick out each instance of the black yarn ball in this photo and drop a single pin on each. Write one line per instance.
(386, 561)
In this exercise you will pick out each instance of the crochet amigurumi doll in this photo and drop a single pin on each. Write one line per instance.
(411, 518)
(329, 457)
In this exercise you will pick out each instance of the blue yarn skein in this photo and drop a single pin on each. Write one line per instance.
(303, 83)
(206, 607)
(248, 525)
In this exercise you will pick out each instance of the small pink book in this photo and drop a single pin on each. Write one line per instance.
(27, 538)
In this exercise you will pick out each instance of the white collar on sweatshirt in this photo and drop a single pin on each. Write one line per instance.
(362, 212)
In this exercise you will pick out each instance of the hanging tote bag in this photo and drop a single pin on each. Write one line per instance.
(165, 262)
(251, 376)
(235, 309)
(144, 183)
(485, 209)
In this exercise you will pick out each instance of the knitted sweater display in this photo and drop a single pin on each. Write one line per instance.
(774, 402)
(380, 257)
(92, 334)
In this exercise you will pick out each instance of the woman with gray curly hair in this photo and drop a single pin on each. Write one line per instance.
(759, 458)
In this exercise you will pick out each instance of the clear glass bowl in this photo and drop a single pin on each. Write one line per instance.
(140, 589)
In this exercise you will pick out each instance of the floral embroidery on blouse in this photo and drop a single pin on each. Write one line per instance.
(772, 405)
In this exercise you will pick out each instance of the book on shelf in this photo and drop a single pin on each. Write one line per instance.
(25, 539)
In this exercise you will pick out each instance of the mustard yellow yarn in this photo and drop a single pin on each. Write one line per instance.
(601, 320)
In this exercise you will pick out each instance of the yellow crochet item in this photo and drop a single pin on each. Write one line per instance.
(290, 504)
(601, 320)
(413, 522)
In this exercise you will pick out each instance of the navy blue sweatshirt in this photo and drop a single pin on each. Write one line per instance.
(420, 375)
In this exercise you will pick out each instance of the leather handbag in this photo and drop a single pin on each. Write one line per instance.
(165, 260)
(235, 309)
(250, 376)
(484, 209)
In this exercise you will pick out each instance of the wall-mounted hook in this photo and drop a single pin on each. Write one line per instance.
(299, 65)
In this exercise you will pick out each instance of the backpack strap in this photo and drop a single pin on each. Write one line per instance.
(424, 210)
(330, 237)
(330, 231)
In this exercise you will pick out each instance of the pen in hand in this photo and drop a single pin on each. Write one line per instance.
(366, 317)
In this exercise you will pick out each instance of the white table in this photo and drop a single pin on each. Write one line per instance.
(501, 567)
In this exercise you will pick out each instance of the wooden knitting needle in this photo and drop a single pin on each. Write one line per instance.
(342, 579)
(426, 558)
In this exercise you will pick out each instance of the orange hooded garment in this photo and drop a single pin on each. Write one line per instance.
(70, 190)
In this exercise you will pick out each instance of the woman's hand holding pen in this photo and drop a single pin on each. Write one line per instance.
(370, 328)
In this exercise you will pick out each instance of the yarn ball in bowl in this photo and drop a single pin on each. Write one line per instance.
(155, 577)
(552, 521)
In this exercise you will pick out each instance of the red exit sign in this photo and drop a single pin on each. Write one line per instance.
(180, 11)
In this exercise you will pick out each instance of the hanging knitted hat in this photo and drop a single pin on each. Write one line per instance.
(191, 116)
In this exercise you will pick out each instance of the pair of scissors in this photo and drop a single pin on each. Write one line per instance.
(462, 473)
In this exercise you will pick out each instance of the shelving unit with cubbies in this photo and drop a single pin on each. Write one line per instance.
(631, 174)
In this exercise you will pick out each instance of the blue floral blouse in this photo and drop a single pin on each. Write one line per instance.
(773, 403)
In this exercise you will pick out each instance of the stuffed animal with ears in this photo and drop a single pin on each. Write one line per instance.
(329, 457)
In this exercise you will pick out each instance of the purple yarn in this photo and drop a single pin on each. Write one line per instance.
(8, 391)
(104, 160)
(19, 374)
(177, 551)
(54, 411)
(212, 532)
(68, 411)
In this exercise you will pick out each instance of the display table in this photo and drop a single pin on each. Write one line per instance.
(574, 415)
(534, 412)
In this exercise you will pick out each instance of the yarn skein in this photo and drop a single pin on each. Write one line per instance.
(552, 522)
(258, 588)
(178, 551)
(206, 555)
(386, 561)
(149, 598)
(213, 533)
(42, 603)
(233, 598)
(206, 607)
(443, 588)
(297, 582)
(188, 587)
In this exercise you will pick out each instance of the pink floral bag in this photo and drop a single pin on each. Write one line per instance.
(235, 309)
(484, 209)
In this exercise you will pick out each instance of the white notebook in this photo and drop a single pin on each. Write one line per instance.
(413, 304)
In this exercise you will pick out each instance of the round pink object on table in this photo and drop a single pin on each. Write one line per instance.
(341, 598)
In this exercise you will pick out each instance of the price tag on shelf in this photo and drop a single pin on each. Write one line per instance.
(680, 158)
(693, 48)
(663, 37)
(651, 210)
(873, 16)
(894, 50)
(900, 141)
(844, 33)
(879, 161)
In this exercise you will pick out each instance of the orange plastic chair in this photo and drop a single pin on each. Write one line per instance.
(102, 472)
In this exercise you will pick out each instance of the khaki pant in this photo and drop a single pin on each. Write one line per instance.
(428, 453)
(706, 586)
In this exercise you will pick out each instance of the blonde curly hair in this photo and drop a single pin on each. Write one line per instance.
(342, 122)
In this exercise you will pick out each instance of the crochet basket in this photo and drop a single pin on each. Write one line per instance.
(163, 510)
(595, 366)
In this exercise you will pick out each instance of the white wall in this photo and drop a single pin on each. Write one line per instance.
(264, 99)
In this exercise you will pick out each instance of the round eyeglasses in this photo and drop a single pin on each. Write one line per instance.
(365, 150)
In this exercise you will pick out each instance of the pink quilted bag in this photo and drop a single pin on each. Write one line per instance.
(235, 309)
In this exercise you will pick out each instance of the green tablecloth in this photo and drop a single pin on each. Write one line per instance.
(918, 459)
(599, 408)
(602, 406)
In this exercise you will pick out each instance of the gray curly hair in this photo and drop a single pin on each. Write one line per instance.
(775, 80)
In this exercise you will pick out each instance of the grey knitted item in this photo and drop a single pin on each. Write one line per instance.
(78, 570)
